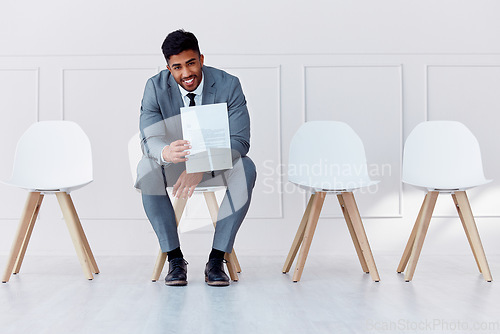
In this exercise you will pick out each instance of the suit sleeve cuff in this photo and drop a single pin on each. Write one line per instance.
(163, 162)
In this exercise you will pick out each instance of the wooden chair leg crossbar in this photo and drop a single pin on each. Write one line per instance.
(305, 233)
(417, 236)
(25, 229)
(233, 266)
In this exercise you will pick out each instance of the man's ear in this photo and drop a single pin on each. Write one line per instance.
(202, 59)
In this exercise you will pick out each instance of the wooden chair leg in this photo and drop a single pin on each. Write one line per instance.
(409, 245)
(72, 222)
(231, 267)
(213, 208)
(353, 234)
(83, 237)
(299, 236)
(319, 199)
(212, 205)
(457, 206)
(88, 250)
(20, 257)
(179, 205)
(359, 231)
(24, 224)
(467, 218)
(236, 262)
(423, 225)
(160, 262)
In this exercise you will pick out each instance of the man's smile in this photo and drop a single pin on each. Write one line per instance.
(189, 81)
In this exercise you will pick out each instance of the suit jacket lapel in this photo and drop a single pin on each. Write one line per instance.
(172, 109)
(208, 87)
(175, 96)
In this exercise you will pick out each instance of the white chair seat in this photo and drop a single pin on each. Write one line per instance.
(447, 188)
(45, 188)
(209, 189)
(333, 189)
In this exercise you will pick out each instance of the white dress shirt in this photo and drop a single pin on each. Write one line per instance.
(198, 91)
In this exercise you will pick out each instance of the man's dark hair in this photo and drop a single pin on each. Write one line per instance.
(179, 41)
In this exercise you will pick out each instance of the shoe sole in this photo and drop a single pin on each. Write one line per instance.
(216, 283)
(176, 283)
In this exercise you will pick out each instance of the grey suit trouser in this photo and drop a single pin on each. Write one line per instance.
(239, 181)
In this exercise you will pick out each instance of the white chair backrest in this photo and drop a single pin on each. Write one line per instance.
(442, 155)
(52, 155)
(134, 154)
(328, 155)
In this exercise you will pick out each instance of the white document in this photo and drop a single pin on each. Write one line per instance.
(206, 127)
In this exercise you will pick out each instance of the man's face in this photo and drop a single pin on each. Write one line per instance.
(186, 69)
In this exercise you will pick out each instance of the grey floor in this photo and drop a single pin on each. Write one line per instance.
(447, 295)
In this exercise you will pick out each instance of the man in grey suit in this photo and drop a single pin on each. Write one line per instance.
(187, 82)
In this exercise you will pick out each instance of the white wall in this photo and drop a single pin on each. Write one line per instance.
(381, 66)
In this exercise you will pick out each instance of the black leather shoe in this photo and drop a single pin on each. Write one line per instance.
(214, 273)
(177, 272)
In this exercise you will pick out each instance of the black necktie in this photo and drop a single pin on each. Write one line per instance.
(191, 99)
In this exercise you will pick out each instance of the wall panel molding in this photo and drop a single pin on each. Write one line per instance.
(105, 101)
(400, 114)
(256, 210)
(428, 67)
(466, 92)
(37, 88)
(64, 71)
(20, 107)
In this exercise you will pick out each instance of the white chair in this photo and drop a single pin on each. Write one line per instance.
(329, 157)
(442, 157)
(52, 157)
(135, 155)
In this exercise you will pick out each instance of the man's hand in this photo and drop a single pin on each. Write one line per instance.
(176, 151)
(186, 183)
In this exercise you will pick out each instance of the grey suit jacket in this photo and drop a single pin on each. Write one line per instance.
(160, 122)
